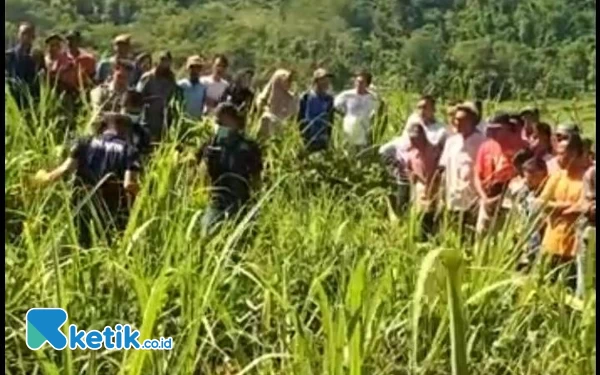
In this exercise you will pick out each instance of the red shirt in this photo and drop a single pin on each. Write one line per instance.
(86, 64)
(493, 164)
(63, 70)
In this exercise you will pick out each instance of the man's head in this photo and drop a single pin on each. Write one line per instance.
(144, 61)
(530, 116)
(194, 66)
(541, 137)
(466, 118)
(426, 108)
(132, 103)
(499, 126)
(565, 131)
(535, 172)
(122, 45)
(26, 34)
(228, 116)
(220, 65)
(416, 134)
(164, 61)
(321, 80)
(116, 122)
(520, 158)
(120, 75)
(73, 39)
(54, 44)
(244, 78)
(362, 80)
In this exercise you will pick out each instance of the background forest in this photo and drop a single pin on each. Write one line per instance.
(497, 48)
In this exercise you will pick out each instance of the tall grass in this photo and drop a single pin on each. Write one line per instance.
(322, 281)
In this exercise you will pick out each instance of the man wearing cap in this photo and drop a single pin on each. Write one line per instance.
(60, 67)
(234, 165)
(85, 62)
(194, 92)
(122, 50)
(108, 96)
(457, 164)
(494, 169)
(21, 68)
(158, 87)
(315, 115)
(107, 160)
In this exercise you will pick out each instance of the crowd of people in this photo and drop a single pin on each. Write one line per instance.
(476, 172)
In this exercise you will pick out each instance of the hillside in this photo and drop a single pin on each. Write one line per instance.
(499, 48)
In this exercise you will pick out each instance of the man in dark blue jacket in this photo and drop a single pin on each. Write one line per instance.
(106, 167)
(315, 114)
(21, 67)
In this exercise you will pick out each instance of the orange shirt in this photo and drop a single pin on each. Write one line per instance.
(86, 64)
(493, 164)
(560, 237)
(63, 70)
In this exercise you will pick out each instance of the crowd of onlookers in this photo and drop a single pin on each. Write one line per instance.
(477, 171)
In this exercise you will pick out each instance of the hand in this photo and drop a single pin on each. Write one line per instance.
(42, 177)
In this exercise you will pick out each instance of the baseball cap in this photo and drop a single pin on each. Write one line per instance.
(53, 37)
(498, 120)
(73, 35)
(567, 128)
(468, 106)
(123, 38)
(194, 60)
(321, 73)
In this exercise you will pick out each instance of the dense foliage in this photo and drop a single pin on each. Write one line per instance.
(534, 48)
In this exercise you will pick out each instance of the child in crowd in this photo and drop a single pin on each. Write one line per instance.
(422, 161)
(535, 173)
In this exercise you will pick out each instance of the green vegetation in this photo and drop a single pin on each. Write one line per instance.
(497, 48)
(327, 280)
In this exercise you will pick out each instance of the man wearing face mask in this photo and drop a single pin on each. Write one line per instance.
(158, 87)
(194, 92)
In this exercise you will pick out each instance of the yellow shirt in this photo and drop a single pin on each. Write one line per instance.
(559, 237)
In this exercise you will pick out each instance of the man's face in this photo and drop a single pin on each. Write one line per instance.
(426, 109)
(122, 48)
(54, 47)
(533, 179)
(463, 121)
(164, 63)
(194, 71)
(26, 35)
(323, 84)
(121, 76)
(219, 67)
(360, 83)
(562, 154)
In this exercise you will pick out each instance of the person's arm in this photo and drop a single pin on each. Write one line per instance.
(302, 121)
(132, 170)
(43, 177)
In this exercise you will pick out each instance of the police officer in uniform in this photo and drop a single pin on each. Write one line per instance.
(234, 165)
(106, 166)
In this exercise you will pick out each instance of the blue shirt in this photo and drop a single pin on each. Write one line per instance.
(315, 117)
(102, 155)
(194, 95)
(21, 69)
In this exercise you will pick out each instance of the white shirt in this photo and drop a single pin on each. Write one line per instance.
(458, 159)
(358, 111)
(214, 89)
(435, 132)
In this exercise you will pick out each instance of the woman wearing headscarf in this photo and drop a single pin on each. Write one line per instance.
(239, 92)
(277, 102)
